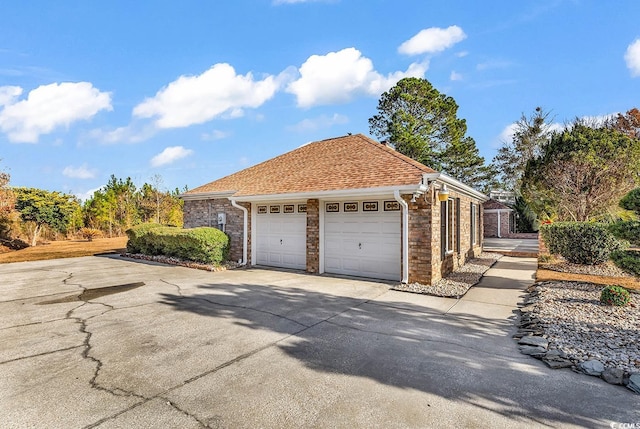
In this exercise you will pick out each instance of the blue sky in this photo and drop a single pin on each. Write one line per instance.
(196, 90)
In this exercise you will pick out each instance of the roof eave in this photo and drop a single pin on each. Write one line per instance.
(206, 195)
(339, 193)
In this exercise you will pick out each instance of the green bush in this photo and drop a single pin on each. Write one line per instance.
(631, 201)
(614, 295)
(580, 242)
(135, 235)
(628, 260)
(206, 245)
(627, 230)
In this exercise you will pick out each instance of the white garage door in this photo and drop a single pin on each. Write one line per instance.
(362, 243)
(281, 231)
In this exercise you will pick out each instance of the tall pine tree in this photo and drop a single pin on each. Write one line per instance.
(422, 123)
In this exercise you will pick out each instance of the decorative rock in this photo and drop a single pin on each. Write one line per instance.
(534, 341)
(557, 364)
(592, 367)
(613, 375)
(533, 351)
(634, 383)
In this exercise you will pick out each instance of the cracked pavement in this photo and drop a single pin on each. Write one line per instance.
(109, 342)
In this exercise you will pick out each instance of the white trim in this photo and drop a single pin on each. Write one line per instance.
(334, 194)
(456, 185)
(206, 195)
(254, 214)
(244, 229)
(499, 235)
(496, 210)
(321, 204)
(405, 236)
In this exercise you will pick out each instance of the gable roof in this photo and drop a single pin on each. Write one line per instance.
(495, 205)
(348, 162)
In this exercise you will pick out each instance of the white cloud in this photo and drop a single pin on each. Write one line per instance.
(82, 172)
(432, 40)
(337, 76)
(132, 133)
(215, 135)
(84, 196)
(455, 76)
(321, 122)
(632, 58)
(8, 94)
(169, 155)
(197, 99)
(49, 107)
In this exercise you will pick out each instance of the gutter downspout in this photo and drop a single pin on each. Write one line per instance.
(405, 236)
(244, 230)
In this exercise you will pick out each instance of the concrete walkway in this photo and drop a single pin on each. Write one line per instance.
(512, 246)
(114, 343)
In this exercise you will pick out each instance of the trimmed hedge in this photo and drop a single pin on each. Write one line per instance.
(627, 230)
(206, 245)
(628, 260)
(135, 243)
(580, 242)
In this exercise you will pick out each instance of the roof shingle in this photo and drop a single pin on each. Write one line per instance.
(349, 162)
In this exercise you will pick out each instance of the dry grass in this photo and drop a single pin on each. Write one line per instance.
(629, 282)
(65, 249)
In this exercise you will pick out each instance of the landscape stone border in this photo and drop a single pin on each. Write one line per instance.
(532, 342)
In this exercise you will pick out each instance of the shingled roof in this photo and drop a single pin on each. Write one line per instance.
(349, 162)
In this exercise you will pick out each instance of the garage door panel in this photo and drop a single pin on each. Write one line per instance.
(365, 244)
(281, 239)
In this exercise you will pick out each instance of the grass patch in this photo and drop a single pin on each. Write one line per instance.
(65, 249)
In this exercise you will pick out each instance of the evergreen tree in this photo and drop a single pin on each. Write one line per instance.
(422, 124)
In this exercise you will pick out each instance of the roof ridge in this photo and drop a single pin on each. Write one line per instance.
(404, 158)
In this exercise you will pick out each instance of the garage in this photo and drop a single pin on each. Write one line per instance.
(362, 238)
(281, 231)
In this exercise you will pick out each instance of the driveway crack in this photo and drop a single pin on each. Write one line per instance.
(87, 346)
(186, 413)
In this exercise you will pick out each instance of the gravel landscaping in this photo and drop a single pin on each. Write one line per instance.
(457, 283)
(564, 324)
(608, 269)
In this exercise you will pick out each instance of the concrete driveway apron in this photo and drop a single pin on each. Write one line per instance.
(114, 343)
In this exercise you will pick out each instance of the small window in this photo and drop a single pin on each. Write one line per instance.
(447, 234)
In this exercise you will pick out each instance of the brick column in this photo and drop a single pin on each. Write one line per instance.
(313, 236)
(420, 236)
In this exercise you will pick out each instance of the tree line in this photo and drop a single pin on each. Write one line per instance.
(578, 171)
(30, 214)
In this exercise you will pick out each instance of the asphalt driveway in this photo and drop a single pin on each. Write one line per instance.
(114, 343)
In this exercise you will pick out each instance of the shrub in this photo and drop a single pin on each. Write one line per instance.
(206, 245)
(90, 233)
(135, 234)
(631, 201)
(614, 295)
(627, 230)
(580, 242)
(628, 260)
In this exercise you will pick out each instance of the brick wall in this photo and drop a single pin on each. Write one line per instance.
(491, 224)
(466, 250)
(205, 213)
(421, 230)
(313, 236)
